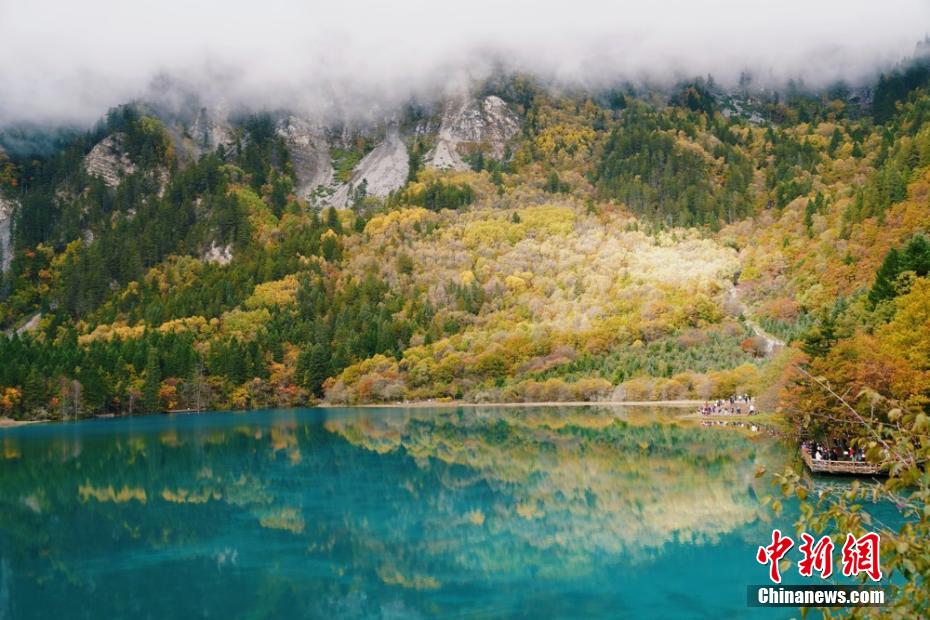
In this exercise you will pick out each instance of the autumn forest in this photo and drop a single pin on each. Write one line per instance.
(620, 245)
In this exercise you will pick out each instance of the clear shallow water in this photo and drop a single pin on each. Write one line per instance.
(398, 513)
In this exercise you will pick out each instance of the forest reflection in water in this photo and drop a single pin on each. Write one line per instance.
(367, 512)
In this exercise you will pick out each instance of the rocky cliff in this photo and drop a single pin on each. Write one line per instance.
(109, 161)
(309, 150)
(469, 125)
(211, 128)
(462, 125)
(6, 230)
(465, 125)
(380, 172)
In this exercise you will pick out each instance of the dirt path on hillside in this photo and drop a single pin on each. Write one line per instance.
(772, 343)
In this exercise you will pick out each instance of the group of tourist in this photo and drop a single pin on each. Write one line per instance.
(820, 452)
(734, 405)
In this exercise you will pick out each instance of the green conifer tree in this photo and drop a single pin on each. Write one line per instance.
(152, 380)
(883, 288)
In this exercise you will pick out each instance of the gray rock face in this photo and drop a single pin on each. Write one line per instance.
(30, 325)
(6, 233)
(470, 124)
(201, 133)
(309, 150)
(466, 124)
(211, 129)
(219, 254)
(382, 171)
(109, 161)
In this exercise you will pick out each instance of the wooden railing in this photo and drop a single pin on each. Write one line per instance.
(853, 468)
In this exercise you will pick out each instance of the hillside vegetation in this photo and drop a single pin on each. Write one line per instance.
(612, 253)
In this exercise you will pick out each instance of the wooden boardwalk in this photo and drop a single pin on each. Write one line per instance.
(848, 468)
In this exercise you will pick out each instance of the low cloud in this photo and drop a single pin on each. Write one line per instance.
(67, 62)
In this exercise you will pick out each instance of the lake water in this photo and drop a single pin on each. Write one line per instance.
(394, 513)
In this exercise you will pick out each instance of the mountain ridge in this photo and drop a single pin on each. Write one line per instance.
(523, 244)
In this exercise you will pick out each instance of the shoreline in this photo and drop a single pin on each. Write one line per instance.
(416, 404)
(6, 423)
(11, 423)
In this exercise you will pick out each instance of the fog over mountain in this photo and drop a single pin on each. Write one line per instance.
(69, 62)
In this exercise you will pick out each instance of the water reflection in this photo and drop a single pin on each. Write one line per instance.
(573, 482)
(367, 512)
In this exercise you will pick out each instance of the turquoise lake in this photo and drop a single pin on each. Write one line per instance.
(523, 512)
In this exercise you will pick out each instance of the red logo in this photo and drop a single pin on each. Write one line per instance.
(817, 557)
(773, 553)
(860, 555)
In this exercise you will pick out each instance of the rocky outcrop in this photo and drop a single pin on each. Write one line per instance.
(6, 233)
(380, 172)
(470, 124)
(309, 150)
(109, 161)
(219, 254)
(466, 125)
(30, 325)
(211, 129)
(199, 131)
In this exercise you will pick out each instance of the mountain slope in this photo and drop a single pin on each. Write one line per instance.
(521, 245)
